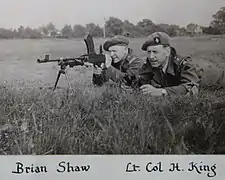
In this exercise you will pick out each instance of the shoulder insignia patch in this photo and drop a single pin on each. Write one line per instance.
(184, 60)
(132, 59)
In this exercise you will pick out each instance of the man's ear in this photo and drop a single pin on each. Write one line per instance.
(168, 50)
(126, 48)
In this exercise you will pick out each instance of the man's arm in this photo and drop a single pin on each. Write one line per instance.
(107, 74)
(100, 75)
(118, 76)
(99, 79)
(189, 80)
(135, 65)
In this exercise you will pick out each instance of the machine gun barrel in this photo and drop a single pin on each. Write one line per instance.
(90, 58)
(45, 60)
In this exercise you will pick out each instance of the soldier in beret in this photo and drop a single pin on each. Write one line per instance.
(120, 63)
(165, 72)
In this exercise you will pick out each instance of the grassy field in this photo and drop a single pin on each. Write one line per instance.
(34, 120)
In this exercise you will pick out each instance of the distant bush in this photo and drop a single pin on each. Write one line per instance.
(211, 30)
(113, 26)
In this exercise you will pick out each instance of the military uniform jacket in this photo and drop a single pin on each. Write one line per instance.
(179, 78)
(119, 71)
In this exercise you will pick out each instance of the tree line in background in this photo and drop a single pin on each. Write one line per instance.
(115, 26)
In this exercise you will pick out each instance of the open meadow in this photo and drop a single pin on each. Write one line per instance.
(104, 120)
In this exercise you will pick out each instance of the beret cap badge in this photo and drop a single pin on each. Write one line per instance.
(157, 40)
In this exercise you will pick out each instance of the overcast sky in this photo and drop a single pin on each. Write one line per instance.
(34, 13)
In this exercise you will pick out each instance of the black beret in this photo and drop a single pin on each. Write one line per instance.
(116, 40)
(157, 38)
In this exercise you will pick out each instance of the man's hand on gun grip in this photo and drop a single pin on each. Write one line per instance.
(107, 64)
(97, 69)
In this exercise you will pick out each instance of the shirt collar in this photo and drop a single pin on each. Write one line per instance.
(169, 67)
(165, 66)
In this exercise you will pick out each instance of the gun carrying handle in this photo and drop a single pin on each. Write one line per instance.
(89, 44)
(100, 49)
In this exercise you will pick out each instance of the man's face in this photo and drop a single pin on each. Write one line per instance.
(118, 52)
(158, 54)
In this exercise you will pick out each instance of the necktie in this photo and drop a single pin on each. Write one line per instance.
(161, 76)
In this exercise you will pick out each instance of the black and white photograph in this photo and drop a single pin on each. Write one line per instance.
(107, 77)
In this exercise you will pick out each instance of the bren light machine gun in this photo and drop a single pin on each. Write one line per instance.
(91, 57)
